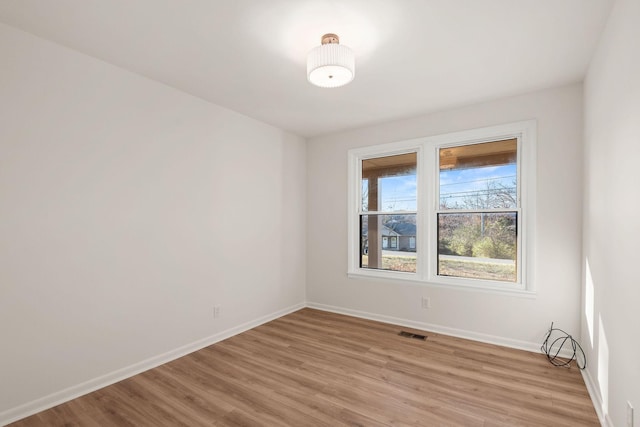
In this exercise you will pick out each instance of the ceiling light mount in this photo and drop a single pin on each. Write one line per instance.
(330, 38)
(330, 64)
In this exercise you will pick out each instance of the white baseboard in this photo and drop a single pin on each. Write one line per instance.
(592, 388)
(596, 399)
(460, 333)
(78, 390)
(54, 399)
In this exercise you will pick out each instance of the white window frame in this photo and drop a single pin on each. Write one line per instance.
(427, 150)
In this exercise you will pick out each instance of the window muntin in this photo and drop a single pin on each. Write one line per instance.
(481, 182)
(388, 209)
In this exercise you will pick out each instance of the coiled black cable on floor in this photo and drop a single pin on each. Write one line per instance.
(553, 344)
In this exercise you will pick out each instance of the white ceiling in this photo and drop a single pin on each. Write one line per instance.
(412, 56)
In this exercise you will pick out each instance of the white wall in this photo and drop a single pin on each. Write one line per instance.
(128, 210)
(610, 314)
(506, 319)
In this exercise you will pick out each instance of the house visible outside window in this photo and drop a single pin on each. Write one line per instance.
(453, 210)
(387, 199)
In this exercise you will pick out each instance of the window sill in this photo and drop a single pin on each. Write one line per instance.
(415, 278)
(384, 275)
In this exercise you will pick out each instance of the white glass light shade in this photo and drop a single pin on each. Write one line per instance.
(330, 65)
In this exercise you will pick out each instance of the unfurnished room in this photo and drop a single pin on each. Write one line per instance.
(319, 213)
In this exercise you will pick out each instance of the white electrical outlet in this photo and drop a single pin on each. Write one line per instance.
(426, 302)
(216, 311)
(629, 414)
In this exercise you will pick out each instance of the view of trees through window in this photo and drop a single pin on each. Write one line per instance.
(456, 209)
(478, 216)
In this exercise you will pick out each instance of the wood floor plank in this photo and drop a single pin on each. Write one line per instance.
(315, 368)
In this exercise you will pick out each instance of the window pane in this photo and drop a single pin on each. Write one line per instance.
(387, 242)
(479, 176)
(478, 245)
(389, 183)
(365, 195)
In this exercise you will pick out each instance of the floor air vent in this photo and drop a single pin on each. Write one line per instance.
(411, 335)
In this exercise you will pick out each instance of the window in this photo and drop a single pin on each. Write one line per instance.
(387, 205)
(452, 210)
(478, 210)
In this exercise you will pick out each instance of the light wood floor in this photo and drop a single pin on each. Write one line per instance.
(313, 368)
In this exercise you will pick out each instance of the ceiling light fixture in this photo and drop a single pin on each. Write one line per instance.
(330, 64)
